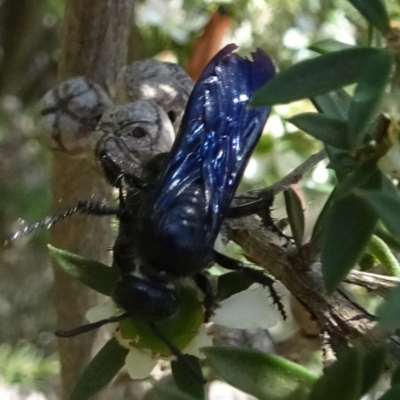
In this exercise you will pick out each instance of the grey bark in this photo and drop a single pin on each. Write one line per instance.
(94, 44)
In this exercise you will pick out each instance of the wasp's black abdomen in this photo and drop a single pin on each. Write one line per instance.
(144, 299)
(176, 243)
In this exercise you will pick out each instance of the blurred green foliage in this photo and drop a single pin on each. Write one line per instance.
(27, 365)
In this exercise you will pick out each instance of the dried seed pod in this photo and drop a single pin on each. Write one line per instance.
(165, 83)
(129, 135)
(70, 112)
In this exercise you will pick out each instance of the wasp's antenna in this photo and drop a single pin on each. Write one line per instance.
(177, 353)
(89, 327)
(86, 207)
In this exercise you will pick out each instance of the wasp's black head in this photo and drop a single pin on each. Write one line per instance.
(144, 299)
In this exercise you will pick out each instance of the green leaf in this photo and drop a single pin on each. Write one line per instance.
(341, 161)
(389, 312)
(392, 394)
(381, 251)
(184, 378)
(330, 131)
(96, 275)
(169, 392)
(365, 175)
(295, 214)
(387, 205)
(374, 11)
(101, 370)
(333, 104)
(320, 224)
(367, 96)
(388, 238)
(315, 77)
(264, 376)
(373, 366)
(342, 380)
(349, 227)
(328, 46)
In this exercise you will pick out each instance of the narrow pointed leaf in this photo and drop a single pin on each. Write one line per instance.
(101, 370)
(374, 11)
(341, 161)
(387, 206)
(328, 46)
(315, 77)
(373, 367)
(349, 227)
(333, 104)
(320, 224)
(330, 131)
(342, 380)
(367, 96)
(96, 275)
(264, 376)
(295, 214)
(184, 378)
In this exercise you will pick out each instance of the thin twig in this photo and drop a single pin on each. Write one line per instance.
(375, 283)
(298, 173)
(289, 179)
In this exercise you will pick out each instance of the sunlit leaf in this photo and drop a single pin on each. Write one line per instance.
(264, 376)
(330, 131)
(315, 77)
(96, 275)
(328, 46)
(101, 370)
(382, 253)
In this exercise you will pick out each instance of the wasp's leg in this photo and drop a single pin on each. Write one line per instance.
(261, 206)
(254, 274)
(239, 208)
(203, 283)
(86, 207)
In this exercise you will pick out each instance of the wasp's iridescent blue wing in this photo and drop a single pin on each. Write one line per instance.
(217, 136)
